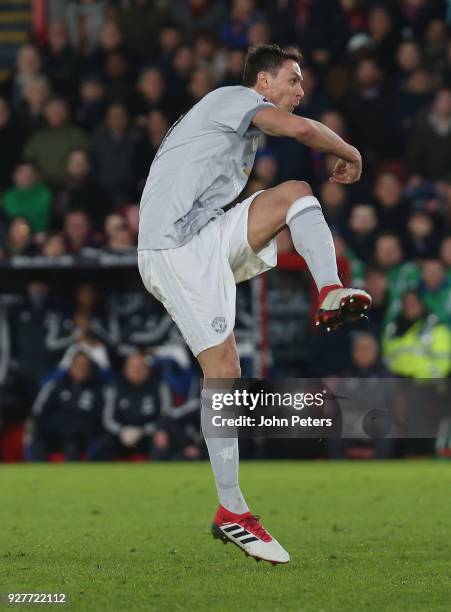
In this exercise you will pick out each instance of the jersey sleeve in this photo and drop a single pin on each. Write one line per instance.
(237, 108)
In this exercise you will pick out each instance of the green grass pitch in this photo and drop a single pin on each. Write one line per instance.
(132, 537)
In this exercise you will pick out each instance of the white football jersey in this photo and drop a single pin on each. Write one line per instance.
(202, 165)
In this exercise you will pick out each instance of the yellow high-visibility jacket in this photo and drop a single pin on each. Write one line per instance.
(422, 351)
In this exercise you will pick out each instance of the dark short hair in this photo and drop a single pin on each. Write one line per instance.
(56, 98)
(27, 162)
(269, 58)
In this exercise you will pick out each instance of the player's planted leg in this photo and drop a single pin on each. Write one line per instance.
(224, 459)
(233, 522)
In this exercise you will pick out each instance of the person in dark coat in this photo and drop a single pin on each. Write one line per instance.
(135, 411)
(67, 413)
(115, 146)
(80, 191)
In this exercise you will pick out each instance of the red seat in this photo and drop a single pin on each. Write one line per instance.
(360, 452)
(133, 458)
(11, 442)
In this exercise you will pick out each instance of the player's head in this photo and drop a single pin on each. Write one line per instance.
(276, 74)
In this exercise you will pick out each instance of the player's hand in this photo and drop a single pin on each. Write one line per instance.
(346, 172)
(130, 435)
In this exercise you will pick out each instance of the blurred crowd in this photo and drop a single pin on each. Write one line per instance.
(84, 111)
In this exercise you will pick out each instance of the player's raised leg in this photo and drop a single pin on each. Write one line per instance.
(292, 203)
(233, 522)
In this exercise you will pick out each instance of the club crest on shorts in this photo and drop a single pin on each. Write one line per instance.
(219, 324)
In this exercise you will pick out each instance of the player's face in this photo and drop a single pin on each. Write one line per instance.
(285, 89)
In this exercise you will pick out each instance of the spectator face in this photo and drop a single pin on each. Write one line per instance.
(86, 297)
(19, 234)
(363, 219)
(420, 225)
(25, 176)
(368, 73)
(388, 189)
(198, 5)
(116, 66)
(37, 289)
(379, 23)
(334, 121)
(136, 369)
(376, 284)
(184, 60)
(169, 39)
(121, 239)
(78, 165)
(57, 36)
(36, 92)
(200, 83)
(157, 125)
(56, 113)
(242, 10)
(442, 103)
(110, 36)
(235, 63)
(92, 90)
(435, 31)
(419, 82)
(54, 247)
(445, 252)
(365, 351)
(408, 56)
(76, 227)
(151, 84)
(412, 307)
(117, 118)
(38, 292)
(80, 369)
(388, 252)
(4, 113)
(412, 4)
(113, 222)
(349, 5)
(28, 61)
(433, 274)
(259, 34)
(204, 48)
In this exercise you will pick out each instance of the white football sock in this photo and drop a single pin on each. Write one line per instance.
(312, 239)
(224, 459)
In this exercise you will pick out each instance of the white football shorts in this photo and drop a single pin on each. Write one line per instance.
(197, 281)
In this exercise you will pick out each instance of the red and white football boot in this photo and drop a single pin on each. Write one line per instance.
(246, 532)
(338, 305)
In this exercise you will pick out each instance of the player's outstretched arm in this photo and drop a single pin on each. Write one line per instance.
(316, 135)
